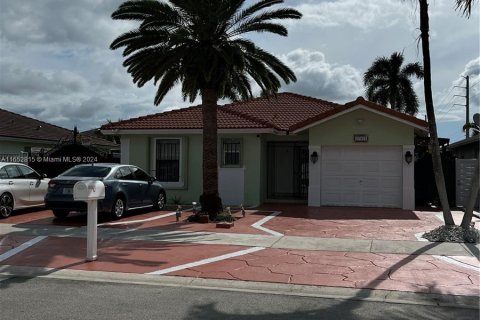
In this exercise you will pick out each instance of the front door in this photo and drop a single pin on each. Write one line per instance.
(287, 170)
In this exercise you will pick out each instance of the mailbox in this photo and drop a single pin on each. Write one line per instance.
(88, 190)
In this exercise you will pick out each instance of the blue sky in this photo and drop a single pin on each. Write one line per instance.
(55, 64)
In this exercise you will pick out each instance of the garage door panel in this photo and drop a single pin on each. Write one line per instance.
(391, 183)
(351, 198)
(371, 167)
(389, 168)
(362, 176)
(351, 167)
(333, 166)
(371, 199)
(371, 182)
(331, 182)
(389, 200)
(350, 183)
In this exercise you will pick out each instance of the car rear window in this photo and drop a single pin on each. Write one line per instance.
(87, 171)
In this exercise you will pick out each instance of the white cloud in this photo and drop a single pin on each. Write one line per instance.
(18, 80)
(59, 21)
(365, 15)
(318, 78)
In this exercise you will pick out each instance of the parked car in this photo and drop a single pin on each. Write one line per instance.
(127, 187)
(20, 187)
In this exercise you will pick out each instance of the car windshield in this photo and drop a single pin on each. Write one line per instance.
(87, 171)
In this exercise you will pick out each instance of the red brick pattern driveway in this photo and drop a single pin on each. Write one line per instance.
(401, 272)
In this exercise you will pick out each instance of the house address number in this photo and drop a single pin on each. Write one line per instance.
(360, 138)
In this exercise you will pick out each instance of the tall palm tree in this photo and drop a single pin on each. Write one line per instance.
(388, 83)
(202, 46)
(466, 6)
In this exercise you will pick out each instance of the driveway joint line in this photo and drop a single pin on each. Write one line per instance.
(258, 224)
(20, 248)
(206, 261)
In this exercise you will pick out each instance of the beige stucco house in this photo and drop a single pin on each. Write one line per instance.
(289, 148)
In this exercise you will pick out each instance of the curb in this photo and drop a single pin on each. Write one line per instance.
(386, 296)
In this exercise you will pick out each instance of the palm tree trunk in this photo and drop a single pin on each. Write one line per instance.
(210, 201)
(432, 125)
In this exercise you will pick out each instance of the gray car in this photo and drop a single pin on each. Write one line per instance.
(127, 187)
(20, 187)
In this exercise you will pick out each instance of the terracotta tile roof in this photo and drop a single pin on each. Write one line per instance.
(14, 125)
(362, 101)
(279, 112)
(186, 118)
(284, 112)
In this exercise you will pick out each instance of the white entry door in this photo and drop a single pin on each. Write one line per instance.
(365, 176)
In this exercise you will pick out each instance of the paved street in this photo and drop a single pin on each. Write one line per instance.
(37, 298)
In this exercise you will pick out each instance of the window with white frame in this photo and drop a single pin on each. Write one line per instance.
(231, 152)
(167, 160)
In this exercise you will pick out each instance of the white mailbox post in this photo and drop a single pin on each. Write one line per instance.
(90, 191)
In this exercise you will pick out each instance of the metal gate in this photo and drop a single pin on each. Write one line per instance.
(464, 174)
(287, 175)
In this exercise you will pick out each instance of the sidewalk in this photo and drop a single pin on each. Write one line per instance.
(302, 264)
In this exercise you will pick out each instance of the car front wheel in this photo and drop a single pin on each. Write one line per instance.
(6, 205)
(160, 202)
(60, 213)
(118, 208)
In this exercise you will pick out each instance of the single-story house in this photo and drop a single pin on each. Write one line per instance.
(284, 148)
(21, 135)
(467, 148)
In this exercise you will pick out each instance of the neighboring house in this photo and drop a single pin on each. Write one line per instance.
(466, 154)
(19, 134)
(467, 148)
(284, 148)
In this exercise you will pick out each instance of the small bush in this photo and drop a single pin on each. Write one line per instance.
(225, 216)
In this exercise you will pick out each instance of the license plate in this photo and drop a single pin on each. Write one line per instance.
(67, 191)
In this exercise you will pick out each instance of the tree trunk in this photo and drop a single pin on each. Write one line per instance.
(432, 125)
(210, 200)
(467, 217)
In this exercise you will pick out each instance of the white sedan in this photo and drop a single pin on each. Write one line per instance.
(20, 187)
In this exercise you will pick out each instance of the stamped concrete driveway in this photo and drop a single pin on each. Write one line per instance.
(350, 223)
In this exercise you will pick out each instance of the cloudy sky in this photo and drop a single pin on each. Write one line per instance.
(55, 64)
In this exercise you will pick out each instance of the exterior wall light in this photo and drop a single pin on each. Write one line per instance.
(408, 157)
(314, 157)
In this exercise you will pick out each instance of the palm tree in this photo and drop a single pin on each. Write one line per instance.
(388, 83)
(202, 46)
(466, 6)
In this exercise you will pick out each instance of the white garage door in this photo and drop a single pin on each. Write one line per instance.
(362, 176)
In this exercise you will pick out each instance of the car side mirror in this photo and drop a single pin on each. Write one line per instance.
(151, 180)
(43, 176)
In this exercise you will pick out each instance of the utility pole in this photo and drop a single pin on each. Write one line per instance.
(466, 105)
